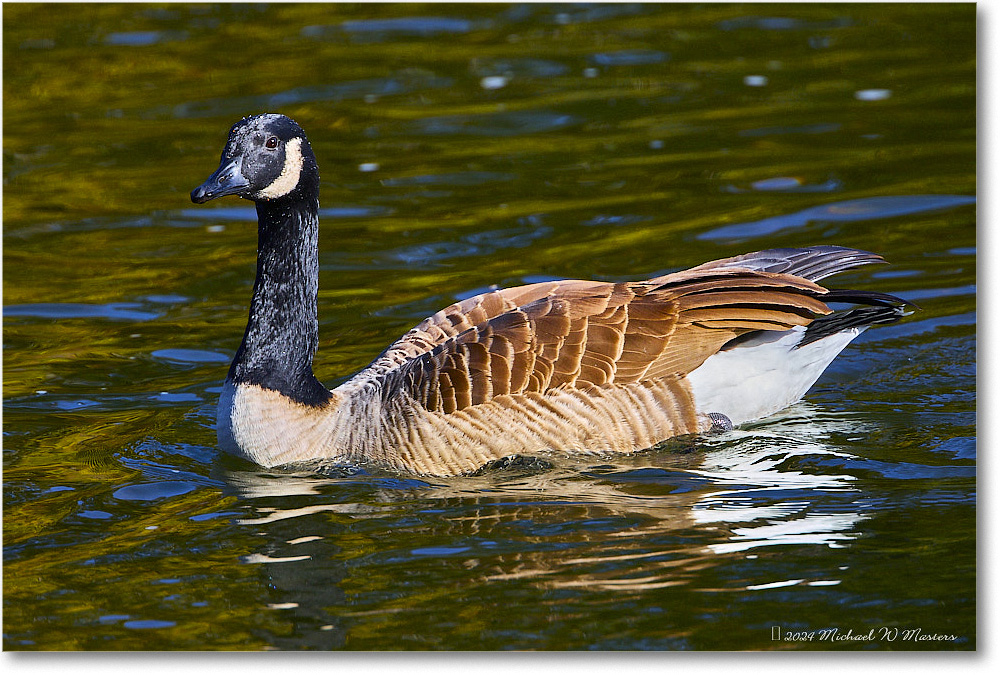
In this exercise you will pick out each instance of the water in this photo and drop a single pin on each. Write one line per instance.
(462, 146)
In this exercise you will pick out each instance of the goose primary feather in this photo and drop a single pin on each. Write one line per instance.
(569, 366)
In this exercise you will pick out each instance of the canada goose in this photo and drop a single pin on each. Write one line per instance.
(575, 366)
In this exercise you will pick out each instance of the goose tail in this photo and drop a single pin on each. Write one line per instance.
(879, 308)
(762, 372)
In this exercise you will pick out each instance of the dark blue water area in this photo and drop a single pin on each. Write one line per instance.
(673, 481)
(116, 311)
(850, 211)
(960, 447)
(501, 124)
(143, 38)
(194, 356)
(915, 326)
(248, 214)
(629, 57)
(566, 14)
(780, 23)
(518, 68)
(94, 514)
(220, 213)
(149, 624)
(148, 492)
(377, 29)
(872, 468)
(785, 184)
(202, 517)
(918, 296)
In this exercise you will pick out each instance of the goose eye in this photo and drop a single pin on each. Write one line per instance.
(271, 143)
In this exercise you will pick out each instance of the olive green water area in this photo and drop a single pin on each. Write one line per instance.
(462, 146)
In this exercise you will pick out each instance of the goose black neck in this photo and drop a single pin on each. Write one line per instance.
(282, 332)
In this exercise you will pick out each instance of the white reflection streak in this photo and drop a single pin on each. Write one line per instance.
(259, 558)
(828, 529)
(742, 465)
(725, 512)
(753, 463)
(283, 514)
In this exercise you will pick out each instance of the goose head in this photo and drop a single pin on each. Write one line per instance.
(266, 158)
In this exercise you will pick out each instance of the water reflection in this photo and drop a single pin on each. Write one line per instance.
(630, 524)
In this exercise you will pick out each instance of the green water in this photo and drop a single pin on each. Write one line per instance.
(462, 146)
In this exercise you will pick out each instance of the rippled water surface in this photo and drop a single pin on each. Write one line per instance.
(462, 146)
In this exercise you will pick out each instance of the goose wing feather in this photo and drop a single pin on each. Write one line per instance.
(582, 334)
(812, 263)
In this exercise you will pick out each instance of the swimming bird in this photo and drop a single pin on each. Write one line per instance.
(568, 366)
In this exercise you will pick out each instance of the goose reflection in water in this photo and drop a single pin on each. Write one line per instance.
(623, 523)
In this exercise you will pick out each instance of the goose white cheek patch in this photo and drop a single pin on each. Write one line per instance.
(289, 176)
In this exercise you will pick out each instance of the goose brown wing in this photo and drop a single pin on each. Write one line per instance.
(458, 318)
(583, 334)
(812, 263)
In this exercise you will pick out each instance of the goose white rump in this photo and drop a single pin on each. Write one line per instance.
(752, 381)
